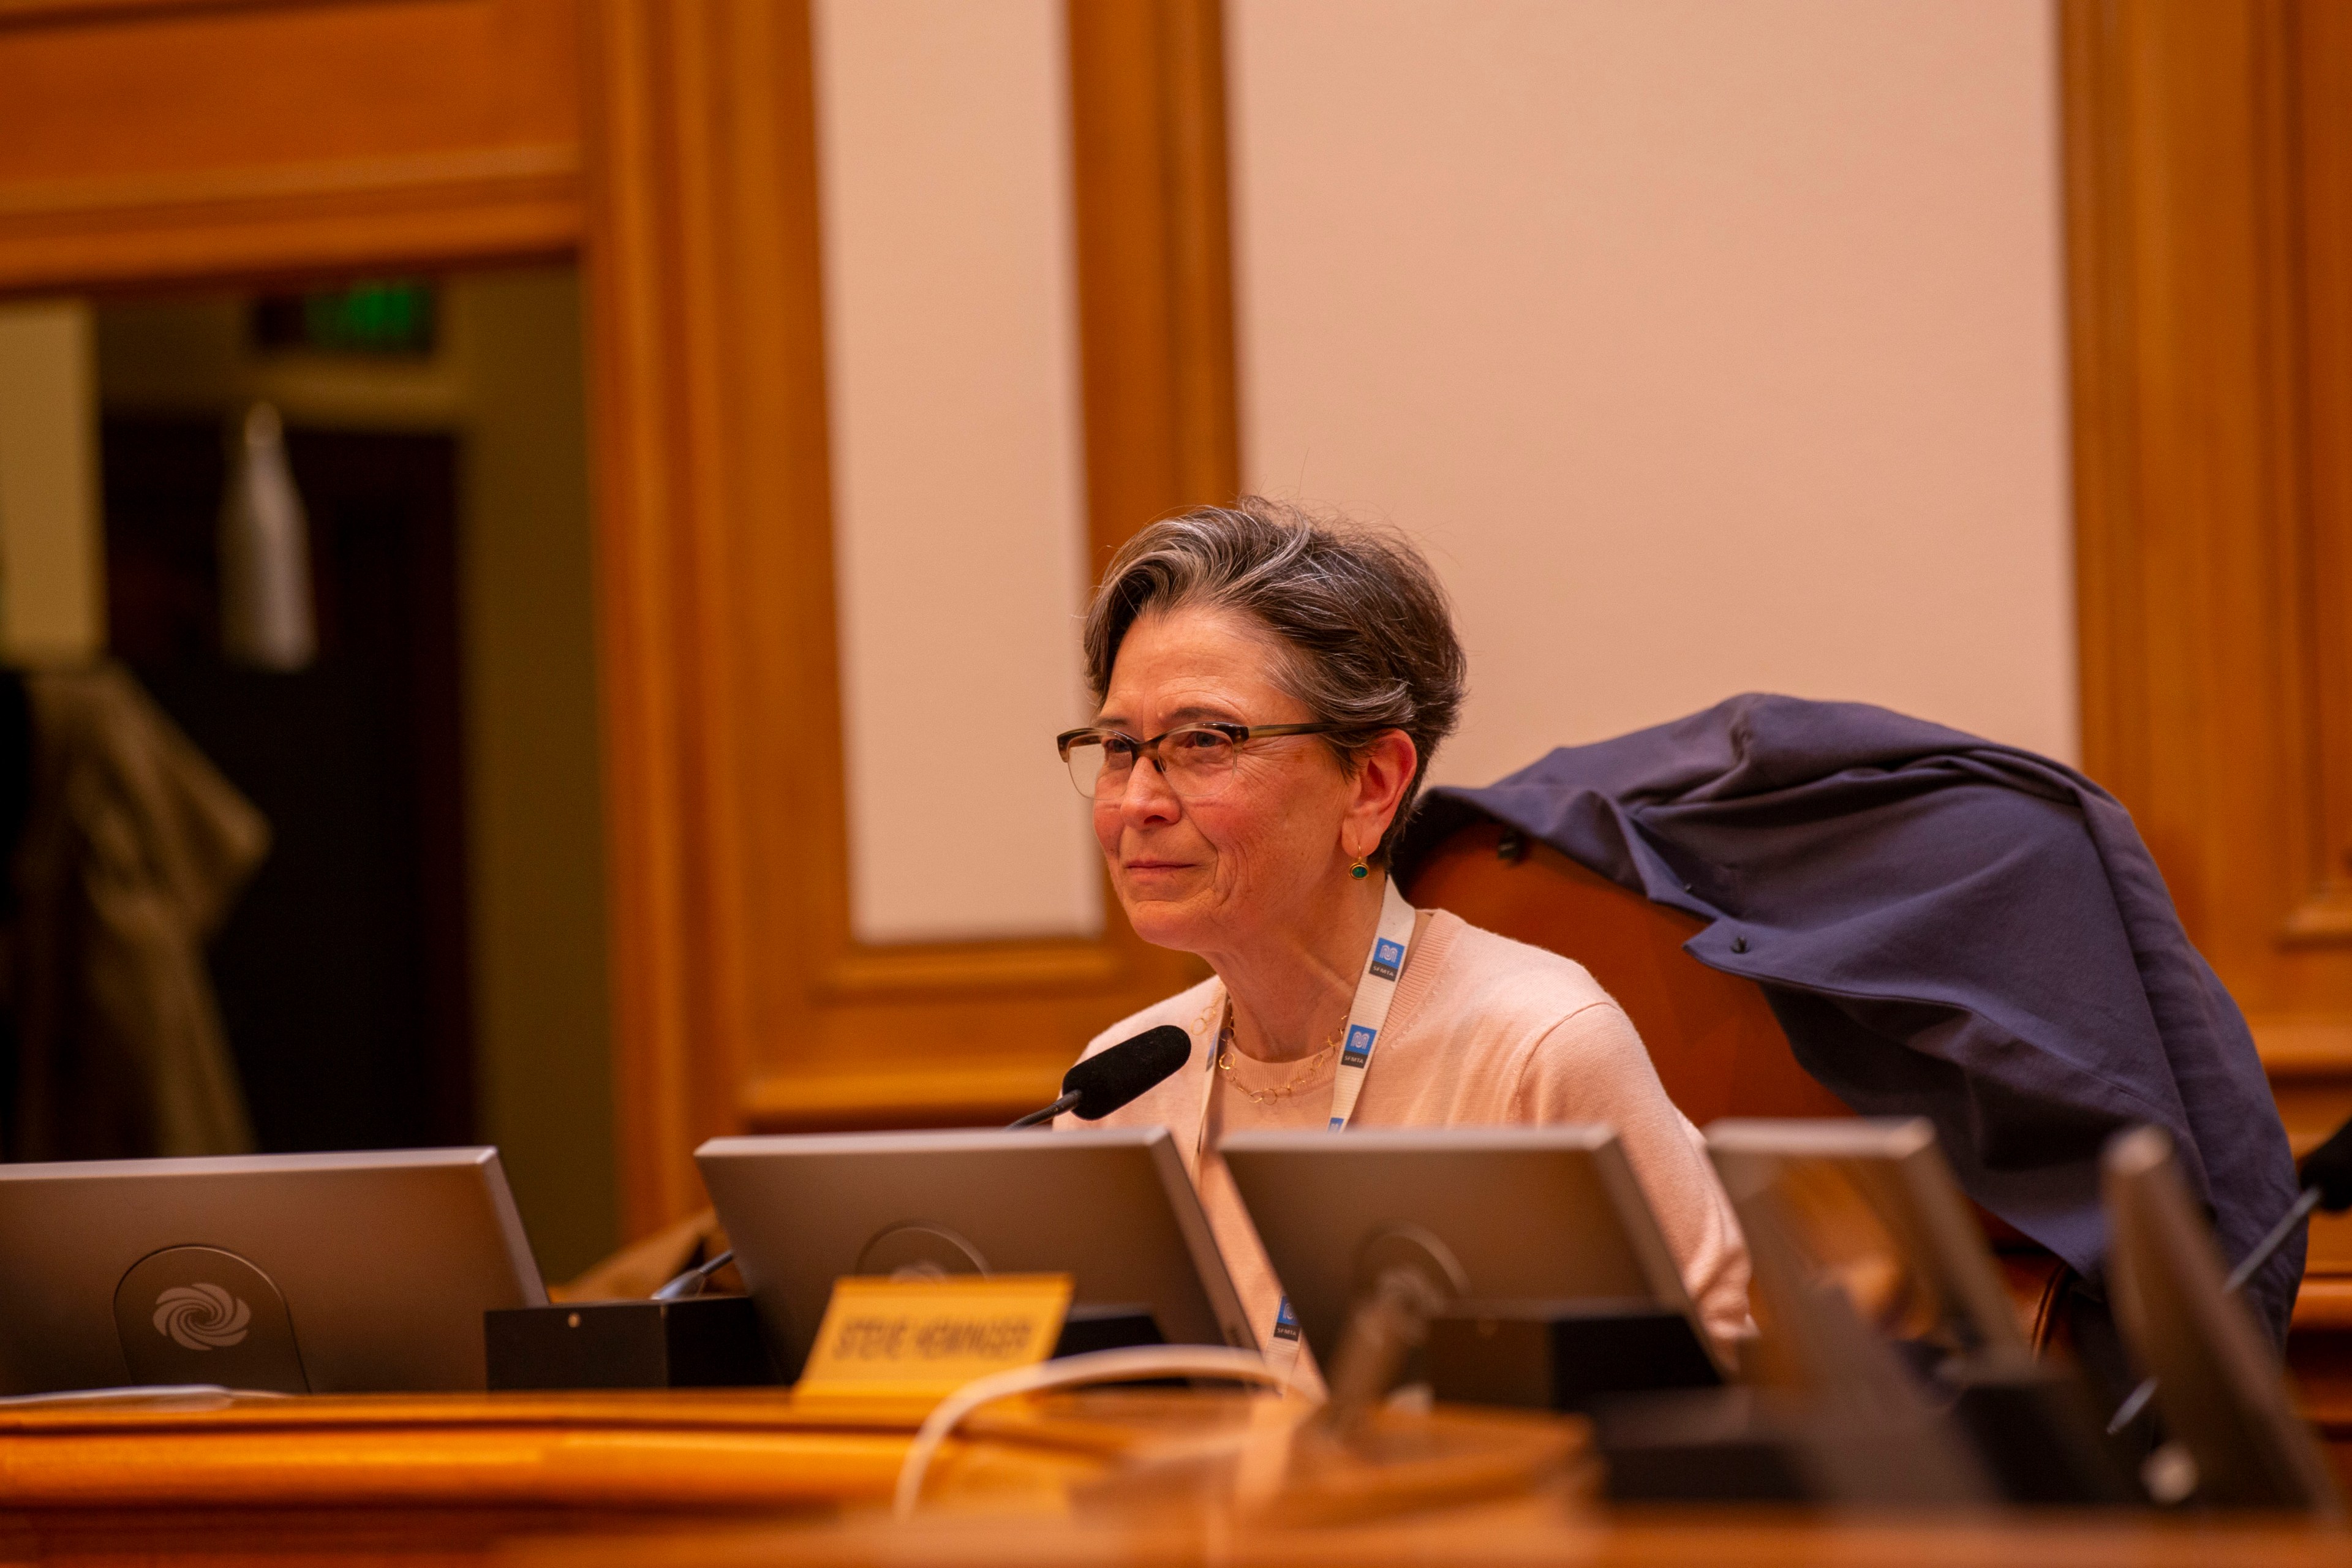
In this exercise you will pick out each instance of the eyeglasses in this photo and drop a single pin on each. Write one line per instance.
(1197, 760)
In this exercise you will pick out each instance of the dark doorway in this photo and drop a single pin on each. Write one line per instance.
(343, 971)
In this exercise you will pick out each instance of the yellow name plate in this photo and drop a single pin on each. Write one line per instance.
(931, 1337)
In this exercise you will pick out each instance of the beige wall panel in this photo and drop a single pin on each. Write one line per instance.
(535, 809)
(52, 597)
(1709, 347)
(959, 526)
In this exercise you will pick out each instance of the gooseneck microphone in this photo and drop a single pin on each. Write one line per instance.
(1110, 1079)
(1092, 1089)
(2326, 1176)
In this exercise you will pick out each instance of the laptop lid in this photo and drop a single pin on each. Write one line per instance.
(1112, 1207)
(343, 1273)
(1519, 1213)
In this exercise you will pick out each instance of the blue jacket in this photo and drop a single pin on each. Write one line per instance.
(1946, 928)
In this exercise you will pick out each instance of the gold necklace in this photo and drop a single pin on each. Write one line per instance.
(1280, 1090)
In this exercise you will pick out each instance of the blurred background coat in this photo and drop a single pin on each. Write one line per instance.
(132, 848)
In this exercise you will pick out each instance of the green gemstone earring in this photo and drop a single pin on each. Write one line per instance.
(1360, 871)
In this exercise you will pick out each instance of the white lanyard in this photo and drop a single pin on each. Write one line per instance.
(1369, 1014)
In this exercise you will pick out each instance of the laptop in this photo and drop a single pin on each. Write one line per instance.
(2218, 1379)
(345, 1273)
(1872, 1204)
(1112, 1207)
(1486, 1215)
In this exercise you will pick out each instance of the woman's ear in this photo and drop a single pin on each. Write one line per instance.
(1383, 777)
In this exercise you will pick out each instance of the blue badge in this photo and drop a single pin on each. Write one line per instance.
(1359, 1046)
(1285, 1327)
(1387, 957)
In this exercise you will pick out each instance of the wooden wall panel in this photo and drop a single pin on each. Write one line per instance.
(2209, 189)
(2322, 547)
(743, 999)
(1155, 259)
(140, 143)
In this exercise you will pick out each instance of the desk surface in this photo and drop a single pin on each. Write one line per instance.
(719, 1450)
(1497, 1537)
(653, 1480)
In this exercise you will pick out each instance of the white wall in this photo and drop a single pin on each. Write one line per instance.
(1708, 345)
(52, 554)
(959, 520)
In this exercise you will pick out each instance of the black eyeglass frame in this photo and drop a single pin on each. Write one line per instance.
(1239, 734)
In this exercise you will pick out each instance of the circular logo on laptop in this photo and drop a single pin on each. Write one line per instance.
(194, 1313)
(202, 1317)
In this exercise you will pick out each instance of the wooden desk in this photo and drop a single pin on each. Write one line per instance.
(661, 1481)
(1523, 1537)
(411, 1479)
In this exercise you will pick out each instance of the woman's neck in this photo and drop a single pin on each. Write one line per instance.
(1291, 993)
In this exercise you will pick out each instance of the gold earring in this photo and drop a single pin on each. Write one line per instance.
(1360, 871)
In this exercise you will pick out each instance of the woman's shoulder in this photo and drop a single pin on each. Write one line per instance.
(1188, 1010)
(1485, 975)
(1501, 1031)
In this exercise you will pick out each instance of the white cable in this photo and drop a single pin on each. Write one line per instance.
(1095, 1367)
(147, 1392)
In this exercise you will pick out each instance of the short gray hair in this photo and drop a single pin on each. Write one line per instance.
(1368, 626)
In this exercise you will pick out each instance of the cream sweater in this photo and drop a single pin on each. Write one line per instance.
(1482, 1031)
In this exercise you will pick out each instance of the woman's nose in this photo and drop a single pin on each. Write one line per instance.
(1147, 797)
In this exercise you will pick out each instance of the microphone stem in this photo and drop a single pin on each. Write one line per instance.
(690, 1284)
(2270, 1244)
(2295, 1215)
(1045, 1113)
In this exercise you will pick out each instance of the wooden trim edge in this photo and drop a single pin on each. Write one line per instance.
(485, 173)
(2299, 1047)
(930, 969)
(985, 1096)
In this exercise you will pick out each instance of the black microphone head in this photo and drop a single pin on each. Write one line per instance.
(1110, 1077)
(2329, 1168)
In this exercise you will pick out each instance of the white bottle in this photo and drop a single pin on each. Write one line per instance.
(265, 554)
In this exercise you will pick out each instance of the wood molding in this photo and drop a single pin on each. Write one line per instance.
(435, 228)
(2213, 374)
(2101, 302)
(985, 1094)
(37, 13)
(465, 168)
(2322, 55)
(2324, 919)
(124, 161)
(469, 205)
(2209, 184)
(703, 278)
(2304, 1049)
(972, 968)
(1155, 260)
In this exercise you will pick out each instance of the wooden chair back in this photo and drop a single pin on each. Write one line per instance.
(1718, 1049)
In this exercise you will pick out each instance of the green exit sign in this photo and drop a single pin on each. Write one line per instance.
(386, 317)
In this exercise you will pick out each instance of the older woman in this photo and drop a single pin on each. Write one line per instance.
(1272, 689)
